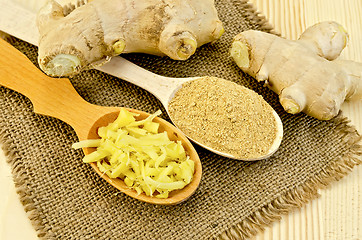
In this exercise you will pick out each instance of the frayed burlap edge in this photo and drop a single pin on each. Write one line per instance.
(255, 16)
(296, 198)
(20, 179)
(19, 176)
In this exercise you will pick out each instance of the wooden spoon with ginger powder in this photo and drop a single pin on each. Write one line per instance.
(227, 117)
(219, 115)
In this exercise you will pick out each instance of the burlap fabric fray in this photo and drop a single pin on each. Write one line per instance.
(65, 199)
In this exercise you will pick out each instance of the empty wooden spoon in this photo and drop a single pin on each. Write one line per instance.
(57, 98)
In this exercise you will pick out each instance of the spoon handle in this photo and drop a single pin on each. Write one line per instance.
(54, 97)
(161, 87)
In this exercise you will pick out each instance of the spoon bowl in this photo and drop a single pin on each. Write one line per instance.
(174, 134)
(57, 98)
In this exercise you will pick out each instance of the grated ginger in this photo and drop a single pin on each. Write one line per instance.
(146, 160)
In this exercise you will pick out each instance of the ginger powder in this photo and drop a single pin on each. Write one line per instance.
(225, 116)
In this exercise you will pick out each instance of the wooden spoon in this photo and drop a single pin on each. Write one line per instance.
(164, 88)
(57, 98)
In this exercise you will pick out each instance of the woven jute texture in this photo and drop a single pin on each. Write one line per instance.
(66, 199)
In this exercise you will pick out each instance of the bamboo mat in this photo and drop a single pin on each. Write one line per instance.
(337, 214)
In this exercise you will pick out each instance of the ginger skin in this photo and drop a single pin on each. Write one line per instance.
(304, 73)
(100, 29)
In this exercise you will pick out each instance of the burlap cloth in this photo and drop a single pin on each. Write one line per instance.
(66, 199)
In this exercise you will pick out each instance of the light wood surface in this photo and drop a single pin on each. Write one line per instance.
(337, 214)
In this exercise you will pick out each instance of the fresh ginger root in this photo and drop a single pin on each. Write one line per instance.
(101, 29)
(304, 73)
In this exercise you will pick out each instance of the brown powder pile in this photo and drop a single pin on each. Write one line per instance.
(225, 116)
